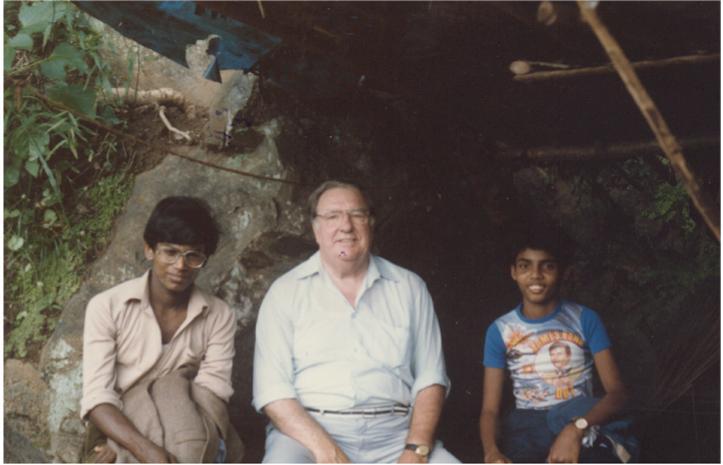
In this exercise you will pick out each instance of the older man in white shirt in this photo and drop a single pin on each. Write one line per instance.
(348, 363)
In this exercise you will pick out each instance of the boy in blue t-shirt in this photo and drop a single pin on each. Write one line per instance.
(549, 346)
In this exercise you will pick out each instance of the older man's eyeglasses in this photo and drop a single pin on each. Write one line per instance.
(336, 217)
(192, 258)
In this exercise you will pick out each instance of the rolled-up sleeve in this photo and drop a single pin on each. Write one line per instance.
(99, 357)
(214, 372)
(428, 358)
(273, 353)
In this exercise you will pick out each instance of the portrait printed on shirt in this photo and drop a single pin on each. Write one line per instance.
(548, 365)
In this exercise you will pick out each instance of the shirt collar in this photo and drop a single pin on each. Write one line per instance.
(140, 291)
(377, 268)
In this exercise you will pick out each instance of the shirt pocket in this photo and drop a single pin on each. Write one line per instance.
(384, 342)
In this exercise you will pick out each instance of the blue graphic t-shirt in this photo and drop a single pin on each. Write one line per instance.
(550, 359)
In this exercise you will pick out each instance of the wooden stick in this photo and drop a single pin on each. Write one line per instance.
(613, 151)
(606, 69)
(652, 115)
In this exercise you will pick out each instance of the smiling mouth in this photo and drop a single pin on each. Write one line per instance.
(536, 288)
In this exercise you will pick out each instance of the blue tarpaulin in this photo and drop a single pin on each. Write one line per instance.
(169, 27)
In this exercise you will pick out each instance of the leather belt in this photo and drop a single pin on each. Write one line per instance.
(369, 412)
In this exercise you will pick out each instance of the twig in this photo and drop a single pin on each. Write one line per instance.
(607, 69)
(652, 115)
(169, 126)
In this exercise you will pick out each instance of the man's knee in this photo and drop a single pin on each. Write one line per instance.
(280, 448)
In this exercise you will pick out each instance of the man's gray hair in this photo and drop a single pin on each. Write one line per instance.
(314, 197)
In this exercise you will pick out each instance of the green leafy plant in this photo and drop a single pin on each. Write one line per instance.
(55, 162)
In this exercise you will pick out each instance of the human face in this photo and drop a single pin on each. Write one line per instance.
(342, 227)
(559, 357)
(173, 277)
(537, 274)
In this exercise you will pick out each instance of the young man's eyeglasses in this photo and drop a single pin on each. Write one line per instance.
(192, 258)
(335, 217)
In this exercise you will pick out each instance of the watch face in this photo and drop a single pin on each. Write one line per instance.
(581, 423)
(422, 450)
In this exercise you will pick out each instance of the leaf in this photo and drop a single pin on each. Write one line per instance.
(70, 55)
(11, 176)
(32, 167)
(49, 217)
(53, 70)
(22, 41)
(74, 97)
(36, 16)
(64, 55)
(51, 177)
(38, 141)
(9, 58)
(12, 213)
(16, 243)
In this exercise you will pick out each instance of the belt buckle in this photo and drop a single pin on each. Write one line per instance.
(369, 413)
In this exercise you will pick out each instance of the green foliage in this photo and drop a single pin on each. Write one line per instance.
(642, 253)
(53, 77)
(46, 277)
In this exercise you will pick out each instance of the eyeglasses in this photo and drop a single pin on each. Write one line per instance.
(336, 217)
(192, 258)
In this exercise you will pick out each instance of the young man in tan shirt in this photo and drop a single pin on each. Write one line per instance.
(150, 327)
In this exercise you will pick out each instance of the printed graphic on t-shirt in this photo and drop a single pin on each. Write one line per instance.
(548, 365)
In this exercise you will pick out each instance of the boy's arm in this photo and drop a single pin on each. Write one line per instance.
(494, 379)
(566, 447)
(111, 421)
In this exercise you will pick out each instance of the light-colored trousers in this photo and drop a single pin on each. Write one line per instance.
(379, 439)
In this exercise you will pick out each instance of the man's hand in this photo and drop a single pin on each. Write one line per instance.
(409, 456)
(333, 455)
(496, 457)
(566, 448)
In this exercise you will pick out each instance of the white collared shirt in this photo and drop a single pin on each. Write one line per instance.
(313, 345)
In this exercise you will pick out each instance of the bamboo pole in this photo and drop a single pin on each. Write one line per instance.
(606, 69)
(652, 115)
(601, 152)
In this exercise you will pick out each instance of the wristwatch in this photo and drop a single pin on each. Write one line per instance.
(419, 449)
(580, 423)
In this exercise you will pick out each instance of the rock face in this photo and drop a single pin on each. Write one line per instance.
(26, 408)
(252, 214)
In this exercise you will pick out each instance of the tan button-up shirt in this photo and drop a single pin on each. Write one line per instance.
(122, 343)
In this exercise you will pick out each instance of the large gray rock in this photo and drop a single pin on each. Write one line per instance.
(26, 410)
(246, 209)
(17, 448)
